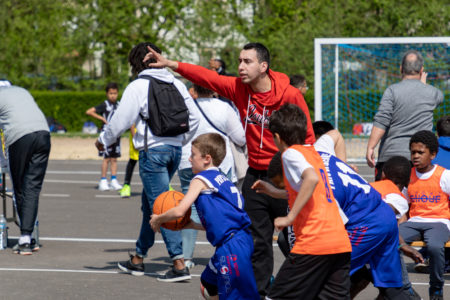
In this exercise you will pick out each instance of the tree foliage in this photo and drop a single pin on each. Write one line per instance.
(51, 44)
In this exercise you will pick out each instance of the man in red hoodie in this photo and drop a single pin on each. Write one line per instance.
(257, 92)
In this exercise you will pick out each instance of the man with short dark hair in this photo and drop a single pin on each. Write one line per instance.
(405, 108)
(257, 92)
(299, 81)
(159, 157)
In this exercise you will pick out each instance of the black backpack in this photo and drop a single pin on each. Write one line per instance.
(167, 111)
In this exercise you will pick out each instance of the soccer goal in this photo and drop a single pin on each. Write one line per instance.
(351, 74)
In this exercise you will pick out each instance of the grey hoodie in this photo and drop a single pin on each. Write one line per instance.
(19, 114)
(134, 102)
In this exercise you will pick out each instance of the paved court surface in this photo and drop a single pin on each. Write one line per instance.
(84, 232)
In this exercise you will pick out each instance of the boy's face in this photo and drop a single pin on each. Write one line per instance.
(278, 182)
(197, 161)
(279, 143)
(421, 157)
(112, 95)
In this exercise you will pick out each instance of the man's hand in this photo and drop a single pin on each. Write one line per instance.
(159, 60)
(99, 146)
(412, 253)
(370, 157)
(423, 77)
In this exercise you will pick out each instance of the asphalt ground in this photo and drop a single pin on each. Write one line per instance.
(85, 232)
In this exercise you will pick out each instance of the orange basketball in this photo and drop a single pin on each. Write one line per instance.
(166, 201)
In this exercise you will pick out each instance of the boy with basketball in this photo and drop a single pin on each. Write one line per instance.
(229, 274)
(319, 262)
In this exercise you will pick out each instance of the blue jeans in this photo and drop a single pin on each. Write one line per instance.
(156, 168)
(188, 235)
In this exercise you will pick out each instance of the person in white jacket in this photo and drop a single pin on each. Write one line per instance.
(216, 116)
(158, 159)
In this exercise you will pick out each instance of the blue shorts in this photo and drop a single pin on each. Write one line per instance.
(230, 268)
(376, 243)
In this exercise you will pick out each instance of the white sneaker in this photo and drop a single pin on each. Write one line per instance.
(103, 185)
(189, 264)
(115, 185)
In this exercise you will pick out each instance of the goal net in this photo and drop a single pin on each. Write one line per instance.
(351, 75)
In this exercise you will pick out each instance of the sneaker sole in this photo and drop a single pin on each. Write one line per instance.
(175, 279)
(422, 269)
(22, 252)
(134, 273)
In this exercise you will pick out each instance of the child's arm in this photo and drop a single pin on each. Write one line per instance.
(92, 113)
(410, 251)
(309, 182)
(264, 187)
(176, 212)
(193, 225)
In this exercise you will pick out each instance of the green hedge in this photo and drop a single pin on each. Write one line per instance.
(69, 108)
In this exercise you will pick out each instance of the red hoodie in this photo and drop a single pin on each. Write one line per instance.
(260, 144)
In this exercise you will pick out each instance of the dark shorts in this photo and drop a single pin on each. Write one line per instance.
(313, 277)
(112, 151)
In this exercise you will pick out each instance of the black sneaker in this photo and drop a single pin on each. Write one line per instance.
(129, 267)
(34, 246)
(174, 275)
(436, 294)
(22, 249)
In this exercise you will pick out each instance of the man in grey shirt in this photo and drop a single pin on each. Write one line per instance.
(406, 107)
(27, 143)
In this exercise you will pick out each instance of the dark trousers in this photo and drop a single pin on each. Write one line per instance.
(28, 158)
(435, 235)
(129, 171)
(309, 277)
(262, 211)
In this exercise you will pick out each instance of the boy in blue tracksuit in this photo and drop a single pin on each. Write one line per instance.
(229, 274)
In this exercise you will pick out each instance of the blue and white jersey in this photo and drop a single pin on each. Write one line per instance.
(356, 197)
(220, 207)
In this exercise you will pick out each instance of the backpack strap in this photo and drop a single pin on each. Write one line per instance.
(149, 96)
(207, 119)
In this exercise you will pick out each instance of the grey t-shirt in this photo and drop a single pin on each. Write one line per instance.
(19, 114)
(405, 108)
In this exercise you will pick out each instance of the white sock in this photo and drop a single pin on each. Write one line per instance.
(24, 239)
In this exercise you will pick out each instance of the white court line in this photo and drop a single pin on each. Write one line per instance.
(120, 272)
(78, 271)
(92, 240)
(56, 195)
(107, 196)
(80, 172)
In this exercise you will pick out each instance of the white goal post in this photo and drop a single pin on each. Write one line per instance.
(351, 74)
(336, 42)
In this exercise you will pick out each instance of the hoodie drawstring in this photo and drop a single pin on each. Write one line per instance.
(246, 117)
(262, 122)
(262, 127)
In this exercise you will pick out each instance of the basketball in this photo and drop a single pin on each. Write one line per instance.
(166, 201)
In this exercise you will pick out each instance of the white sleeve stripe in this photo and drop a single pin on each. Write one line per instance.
(294, 164)
(206, 181)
